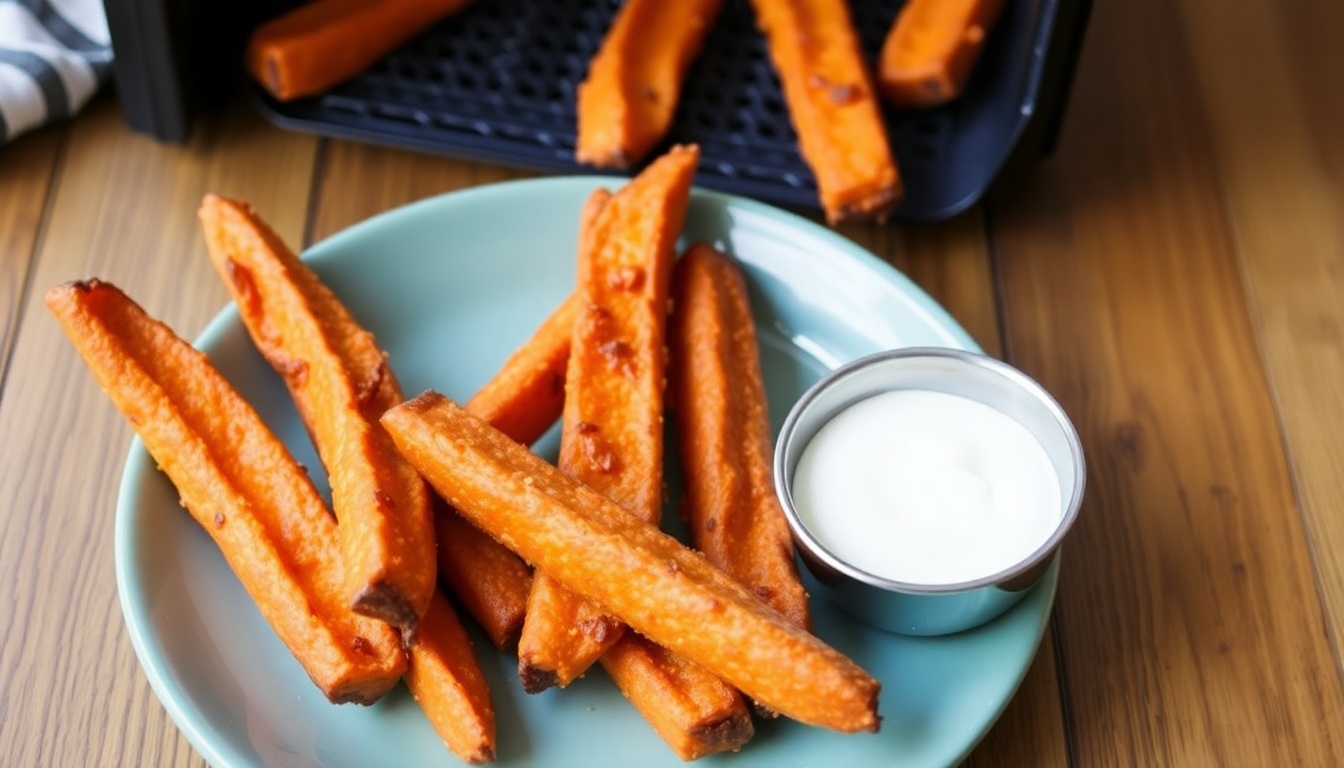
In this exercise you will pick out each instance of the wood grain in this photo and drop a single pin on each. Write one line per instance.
(1190, 630)
(123, 209)
(27, 167)
(1280, 157)
(361, 180)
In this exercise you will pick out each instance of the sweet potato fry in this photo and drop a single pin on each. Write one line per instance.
(341, 383)
(522, 400)
(446, 680)
(324, 42)
(931, 48)
(239, 483)
(613, 412)
(723, 431)
(661, 589)
(829, 93)
(629, 96)
(690, 708)
(491, 582)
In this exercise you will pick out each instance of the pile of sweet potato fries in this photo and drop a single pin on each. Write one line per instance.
(436, 505)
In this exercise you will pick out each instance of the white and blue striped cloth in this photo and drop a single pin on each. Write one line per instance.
(53, 56)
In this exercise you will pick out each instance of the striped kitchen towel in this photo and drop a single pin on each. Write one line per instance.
(53, 56)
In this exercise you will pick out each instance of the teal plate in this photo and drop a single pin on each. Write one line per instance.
(450, 285)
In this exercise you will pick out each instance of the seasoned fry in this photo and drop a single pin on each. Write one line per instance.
(629, 96)
(341, 383)
(446, 680)
(238, 482)
(324, 42)
(663, 590)
(831, 102)
(931, 48)
(723, 430)
(691, 709)
(613, 412)
(522, 400)
(491, 582)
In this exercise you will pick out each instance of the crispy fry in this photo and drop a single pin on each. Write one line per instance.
(669, 593)
(238, 482)
(629, 96)
(491, 582)
(831, 102)
(522, 400)
(696, 713)
(341, 383)
(931, 48)
(446, 680)
(324, 42)
(613, 414)
(723, 430)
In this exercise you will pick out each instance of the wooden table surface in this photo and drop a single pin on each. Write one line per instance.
(1174, 275)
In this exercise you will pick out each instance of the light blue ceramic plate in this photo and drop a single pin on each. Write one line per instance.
(450, 286)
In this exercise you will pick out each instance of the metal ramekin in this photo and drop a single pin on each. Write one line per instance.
(916, 609)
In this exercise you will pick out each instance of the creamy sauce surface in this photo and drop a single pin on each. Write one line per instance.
(927, 488)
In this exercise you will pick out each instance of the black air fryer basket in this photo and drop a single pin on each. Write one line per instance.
(497, 82)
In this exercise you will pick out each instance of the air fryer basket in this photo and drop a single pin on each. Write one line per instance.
(497, 82)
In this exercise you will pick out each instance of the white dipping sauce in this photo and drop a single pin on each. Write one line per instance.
(927, 488)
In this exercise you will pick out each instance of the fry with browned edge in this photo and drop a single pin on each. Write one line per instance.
(626, 102)
(240, 484)
(670, 594)
(931, 48)
(522, 400)
(490, 582)
(322, 43)
(690, 708)
(723, 432)
(613, 414)
(831, 102)
(446, 680)
(341, 383)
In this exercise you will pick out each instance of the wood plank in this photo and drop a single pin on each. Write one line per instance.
(28, 163)
(1272, 81)
(951, 261)
(124, 210)
(1188, 624)
(361, 180)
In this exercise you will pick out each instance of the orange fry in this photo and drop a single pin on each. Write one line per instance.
(723, 430)
(341, 383)
(322, 43)
(690, 708)
(614, 385)
(239, 483)
(592, 545)
(446, 680)
(831, 102)
(629, 96)
(931, 48)
(491, 582)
